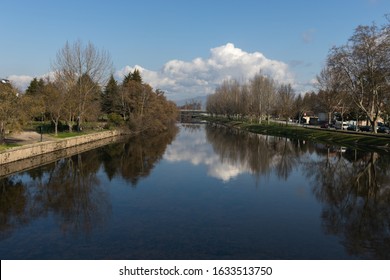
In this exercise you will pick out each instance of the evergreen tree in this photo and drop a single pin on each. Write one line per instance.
(36, 86)
(145, 110)
(134, 76)
(110, 100)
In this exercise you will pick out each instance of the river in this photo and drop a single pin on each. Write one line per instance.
(201, 192)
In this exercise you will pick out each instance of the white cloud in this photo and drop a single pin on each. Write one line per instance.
(186, 79)
(21, 82)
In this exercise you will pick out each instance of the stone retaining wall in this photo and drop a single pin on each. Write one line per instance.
(37, 149)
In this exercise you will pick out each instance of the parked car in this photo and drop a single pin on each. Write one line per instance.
(324, 125)
(341, 125)
(352, 127)
(366, 128)
(383, 129)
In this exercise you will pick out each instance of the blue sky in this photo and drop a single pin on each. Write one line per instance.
(184, 47)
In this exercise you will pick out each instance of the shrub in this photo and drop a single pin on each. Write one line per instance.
(115, 119)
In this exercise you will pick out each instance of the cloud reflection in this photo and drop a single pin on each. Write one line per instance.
(191, 146)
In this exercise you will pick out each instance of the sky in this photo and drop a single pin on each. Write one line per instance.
(186, 48)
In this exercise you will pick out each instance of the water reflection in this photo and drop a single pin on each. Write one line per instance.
(13, 202)
(258, 154)
(353, 186)
(70, 189)
(136, 158)
(355, 191)
(192, 146)
(233, 152)
(202, 199)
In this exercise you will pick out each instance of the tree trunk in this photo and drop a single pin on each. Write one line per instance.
(373, 125)
(56, 127)
(70, 124)
(2, 133)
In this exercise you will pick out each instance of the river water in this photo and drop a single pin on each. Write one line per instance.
(201, 192)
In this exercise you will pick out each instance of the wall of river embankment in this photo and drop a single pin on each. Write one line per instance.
(29, 156)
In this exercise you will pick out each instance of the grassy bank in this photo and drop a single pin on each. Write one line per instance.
(7, 146)
(342, 138)
(62, 135)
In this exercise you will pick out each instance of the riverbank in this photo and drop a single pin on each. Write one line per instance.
(327, 136)
(26, 137)
(52, 145)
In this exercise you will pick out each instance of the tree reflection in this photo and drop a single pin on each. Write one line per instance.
(287, 158)
(352, 185)
(355, 190)
(135, 159)
(13, 204)
(260, 154)
(70, 188)
(191, 126)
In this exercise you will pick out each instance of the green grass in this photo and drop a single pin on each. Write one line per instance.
(62, 135)
(8, 146)
(379, 141)
(319, 135)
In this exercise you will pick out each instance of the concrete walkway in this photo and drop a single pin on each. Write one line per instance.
(27, 137)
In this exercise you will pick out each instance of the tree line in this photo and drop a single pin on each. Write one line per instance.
(82, 89)
(259, 99)
(354, 84)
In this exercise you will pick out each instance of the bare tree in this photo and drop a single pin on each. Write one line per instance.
(269, 97)
(244, 103)
(363, 66)
(285, 101)
(227, 95)
(257, 102)
(263, 96)
(81, 71)
(55, 103)
(331, 95)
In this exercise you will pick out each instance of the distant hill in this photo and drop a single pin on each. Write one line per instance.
(202, 99)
